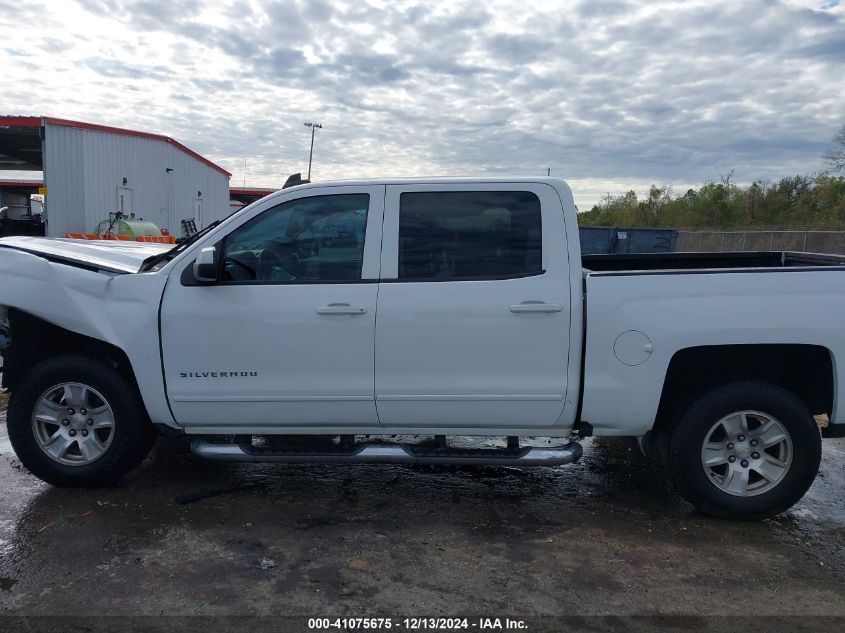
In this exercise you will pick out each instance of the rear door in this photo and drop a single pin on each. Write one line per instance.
(473, 315)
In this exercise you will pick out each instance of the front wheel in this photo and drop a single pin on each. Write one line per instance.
(745, 450)
(75, 422)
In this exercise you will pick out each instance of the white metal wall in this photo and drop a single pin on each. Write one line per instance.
(193, 177)
(83, 170)
(63, 177)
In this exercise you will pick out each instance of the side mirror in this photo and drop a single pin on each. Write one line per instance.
(205, 265)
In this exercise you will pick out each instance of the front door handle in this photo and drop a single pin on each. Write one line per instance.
(341, 308)
(536, 306)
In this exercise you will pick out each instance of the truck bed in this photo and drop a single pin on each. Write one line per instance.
(640, 310)
(633, 263)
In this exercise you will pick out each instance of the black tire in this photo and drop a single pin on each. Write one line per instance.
(133, 435)
(685, 446)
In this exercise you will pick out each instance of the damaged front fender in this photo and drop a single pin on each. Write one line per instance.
(118, 309)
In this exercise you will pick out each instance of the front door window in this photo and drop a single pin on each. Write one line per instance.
(320, 238)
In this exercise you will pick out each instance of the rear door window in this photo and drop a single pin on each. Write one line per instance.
(469, 235)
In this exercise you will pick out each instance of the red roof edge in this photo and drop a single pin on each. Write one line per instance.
(21, 184)
(20, 121)
(252, 191)
(117, 130)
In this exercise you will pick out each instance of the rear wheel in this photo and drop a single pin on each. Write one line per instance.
(75, 422)
(745, 450)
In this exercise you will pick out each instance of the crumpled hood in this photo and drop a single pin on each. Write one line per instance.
(110, 255)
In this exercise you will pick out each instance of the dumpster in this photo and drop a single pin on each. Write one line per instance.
(605, 240)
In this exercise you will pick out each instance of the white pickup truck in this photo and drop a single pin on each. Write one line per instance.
(434, 307)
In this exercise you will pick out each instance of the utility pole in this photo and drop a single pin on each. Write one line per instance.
(314, 127)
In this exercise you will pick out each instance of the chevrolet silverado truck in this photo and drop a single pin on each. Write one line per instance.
(427, 310)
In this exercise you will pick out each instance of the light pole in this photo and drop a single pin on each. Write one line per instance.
(313, 127)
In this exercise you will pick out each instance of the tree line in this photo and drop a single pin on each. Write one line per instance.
(814, 201)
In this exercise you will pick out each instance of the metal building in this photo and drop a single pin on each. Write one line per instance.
(239, 197)
(93, 170)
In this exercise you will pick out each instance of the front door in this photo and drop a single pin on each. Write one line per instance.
(474, 307)
(286, 338)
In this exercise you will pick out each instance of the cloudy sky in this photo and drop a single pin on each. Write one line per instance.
(609, 94)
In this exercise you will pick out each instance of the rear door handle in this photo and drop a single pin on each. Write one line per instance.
(536, 306)
(341, 308)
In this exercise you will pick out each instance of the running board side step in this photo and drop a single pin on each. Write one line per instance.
(391, 454)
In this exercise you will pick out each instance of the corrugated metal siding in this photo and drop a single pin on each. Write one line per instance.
(108, 159)
(64, 178)
(193, 177)
(87, 167)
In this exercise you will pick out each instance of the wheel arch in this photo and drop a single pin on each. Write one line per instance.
(33, 340)
(803, 369)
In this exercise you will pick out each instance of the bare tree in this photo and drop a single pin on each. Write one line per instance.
(658, 198)
(726, 179)
(754, 192)
(835, 158)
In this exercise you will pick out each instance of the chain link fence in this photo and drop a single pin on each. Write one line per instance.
(725, 241)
